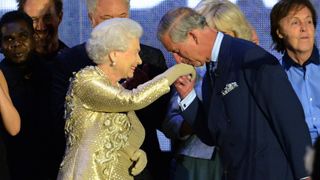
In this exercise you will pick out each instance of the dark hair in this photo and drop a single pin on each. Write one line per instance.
(281, 10)
(58, 4)
(15, 16)
(316, 161)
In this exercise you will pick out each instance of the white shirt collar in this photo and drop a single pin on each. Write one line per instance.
(216, 47)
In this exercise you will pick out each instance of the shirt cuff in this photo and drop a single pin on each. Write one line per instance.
(184, 137)
(187, 100)
(305, 178)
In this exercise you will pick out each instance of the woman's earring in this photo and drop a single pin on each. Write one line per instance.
(112, 64)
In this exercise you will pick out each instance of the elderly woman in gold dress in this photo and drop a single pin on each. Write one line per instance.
(103, 133)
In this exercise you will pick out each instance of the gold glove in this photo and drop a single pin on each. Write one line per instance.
(174, 72)
(140, 161)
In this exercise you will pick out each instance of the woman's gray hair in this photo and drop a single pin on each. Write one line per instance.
(111, 35)
(179, 22)
(92, 4)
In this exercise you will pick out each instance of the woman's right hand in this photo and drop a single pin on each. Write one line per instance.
(174, 72)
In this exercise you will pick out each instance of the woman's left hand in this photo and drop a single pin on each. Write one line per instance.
(140, 161)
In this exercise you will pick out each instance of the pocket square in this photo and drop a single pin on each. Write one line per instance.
(229, 87)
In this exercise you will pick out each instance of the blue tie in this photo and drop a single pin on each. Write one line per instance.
(208, 84)
(210, 69)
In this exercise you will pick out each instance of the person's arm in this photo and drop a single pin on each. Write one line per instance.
(100, 95)
(174, 126)
(9, 114)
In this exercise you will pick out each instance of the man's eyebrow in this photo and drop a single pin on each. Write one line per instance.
(106, 15)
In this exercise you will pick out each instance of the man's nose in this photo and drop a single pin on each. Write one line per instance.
(177, 58)
(40, 25)
(303, 26)
(16, 43)
(139, 60)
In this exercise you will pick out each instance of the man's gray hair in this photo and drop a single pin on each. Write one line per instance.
(111, 35)
(92, 4)
(179, 22)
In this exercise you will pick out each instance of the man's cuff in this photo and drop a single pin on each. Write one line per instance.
(183, 138)
(187, 100)
(305, 178)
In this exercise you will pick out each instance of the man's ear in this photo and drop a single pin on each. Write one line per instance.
(194, 35)
(60, 15)
(92, 20)
(279, 34)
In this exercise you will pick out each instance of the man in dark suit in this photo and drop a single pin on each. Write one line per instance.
(153, 63)
(249, 110)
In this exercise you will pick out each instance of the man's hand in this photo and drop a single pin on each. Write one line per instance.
(184, 85)
(139, 159)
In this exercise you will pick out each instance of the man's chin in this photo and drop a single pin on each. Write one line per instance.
(196, 64)
(42, 41)
(43, 47)
(42, 50)
(19, 60)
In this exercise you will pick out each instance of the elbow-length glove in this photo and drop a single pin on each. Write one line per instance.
(95, 92)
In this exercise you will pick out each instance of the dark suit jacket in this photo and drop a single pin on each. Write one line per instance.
(28, 85)
(153, 63)
(258, 123)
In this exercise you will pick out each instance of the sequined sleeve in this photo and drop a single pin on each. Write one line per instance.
(98, 94)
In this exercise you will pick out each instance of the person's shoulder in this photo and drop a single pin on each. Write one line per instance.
(74, 58)
(149, 48)
(153, 56)
(62, 45)
(2, 62)
(88, 71)
(245, 44)
(75, 51)
(252, 54)
(5, 64)
(89, 74)
(149, 51)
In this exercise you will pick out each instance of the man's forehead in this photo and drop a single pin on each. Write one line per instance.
(13, 29)
(36, 8)
(112, 4)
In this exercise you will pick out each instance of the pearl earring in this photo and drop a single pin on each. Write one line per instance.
(112, 64)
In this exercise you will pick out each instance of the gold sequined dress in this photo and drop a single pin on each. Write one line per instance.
(101, 127)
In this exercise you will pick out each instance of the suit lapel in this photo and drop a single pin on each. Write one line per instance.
(224, 65)
(206, 90)
(214, 88)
